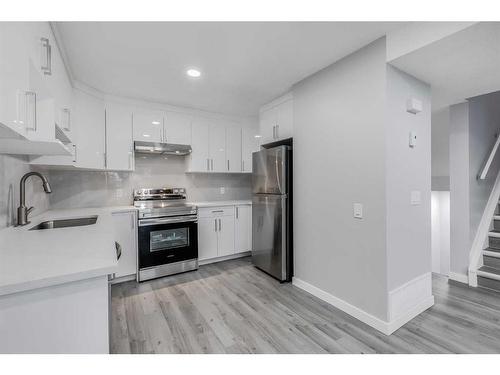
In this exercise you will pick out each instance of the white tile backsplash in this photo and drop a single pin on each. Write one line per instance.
(12, 168)
(71, 189)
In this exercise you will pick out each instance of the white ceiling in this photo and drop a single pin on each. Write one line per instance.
(458, 67)
(244, 65)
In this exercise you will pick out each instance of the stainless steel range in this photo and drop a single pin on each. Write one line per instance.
(167, 233)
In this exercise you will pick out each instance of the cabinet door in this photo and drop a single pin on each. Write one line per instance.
(226, 235)
(250, 144)
(124, 225)
(89, 117)
(148, 126)
(119, 143)
(177, 128)
(243, 228)
(13, 75)
(207, 238)
(233, 149)
(285, 120)
(267, 125)
(199, 158)
(217, 148)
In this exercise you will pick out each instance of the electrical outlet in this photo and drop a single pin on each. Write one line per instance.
(222, 190)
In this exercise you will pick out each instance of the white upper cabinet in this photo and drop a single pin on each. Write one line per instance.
(177, 128)
(276, 120)
(199, 158)
(233, 149)
(284, 128)
(14, 79)
(119, 143)
(268, 121)
(208, 141)
(217, 148)
(90, 125)
(249, 144)
(148, 126)
(49, 75)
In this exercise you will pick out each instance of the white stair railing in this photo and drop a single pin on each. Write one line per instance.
(475, 255)
(487, 164)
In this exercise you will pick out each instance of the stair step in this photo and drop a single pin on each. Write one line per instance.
(494, 242)
(492, 252)
(488, 277)
(494, 233)
(491, 261)
(496, 222)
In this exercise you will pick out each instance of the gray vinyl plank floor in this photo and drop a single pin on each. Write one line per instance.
(231, 307)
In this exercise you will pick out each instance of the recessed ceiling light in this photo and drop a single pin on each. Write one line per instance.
(257, 136)
(195, 73)
(146, 135)
(156, 122)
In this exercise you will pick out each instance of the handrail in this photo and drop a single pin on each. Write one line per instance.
(487, 164)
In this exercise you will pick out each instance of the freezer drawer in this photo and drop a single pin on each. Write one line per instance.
(270, 244)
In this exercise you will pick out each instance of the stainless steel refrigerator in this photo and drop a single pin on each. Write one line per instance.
(272, 212)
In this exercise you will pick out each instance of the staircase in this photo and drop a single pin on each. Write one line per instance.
(488, 276)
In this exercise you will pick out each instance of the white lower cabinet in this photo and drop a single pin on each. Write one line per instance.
(207, 238)
(124, 226)
(243, 228)
(224, 231)
(225, 235)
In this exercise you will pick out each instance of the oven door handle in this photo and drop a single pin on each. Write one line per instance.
(167, 220)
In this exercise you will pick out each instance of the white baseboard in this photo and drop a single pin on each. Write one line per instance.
(340, 304)
(459, 277)
(227, 257)
(409, 300)
(383, 326)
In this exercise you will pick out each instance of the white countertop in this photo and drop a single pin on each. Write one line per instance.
(41, 258)
(220, 203)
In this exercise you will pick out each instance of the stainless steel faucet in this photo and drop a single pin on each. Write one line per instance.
(22, 210)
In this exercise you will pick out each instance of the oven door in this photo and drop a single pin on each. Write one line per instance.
(167, 240)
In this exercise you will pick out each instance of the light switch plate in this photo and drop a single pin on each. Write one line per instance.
(358, 210)
(413, 139)
(415, 198)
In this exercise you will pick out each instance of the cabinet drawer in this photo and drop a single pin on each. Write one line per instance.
(216, 211)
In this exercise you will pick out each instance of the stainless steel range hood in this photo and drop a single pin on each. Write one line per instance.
(161, 148)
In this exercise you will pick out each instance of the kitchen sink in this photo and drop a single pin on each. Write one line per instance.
(65, 223)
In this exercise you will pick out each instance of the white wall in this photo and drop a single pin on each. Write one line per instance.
(351, 144)
(440, 208)
(459, 189)
(407, 169)
(441, 149)
(339, 159)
